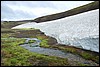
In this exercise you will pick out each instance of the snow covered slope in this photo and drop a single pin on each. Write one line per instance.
(81, 30)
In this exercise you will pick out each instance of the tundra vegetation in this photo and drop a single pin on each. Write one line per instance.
(14, 55)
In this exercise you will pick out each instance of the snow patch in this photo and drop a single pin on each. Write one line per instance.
(81, 30)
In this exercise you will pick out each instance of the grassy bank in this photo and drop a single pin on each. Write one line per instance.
(44, 42)
(14, 55)
(89, 55)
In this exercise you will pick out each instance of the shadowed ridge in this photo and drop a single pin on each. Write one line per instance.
(77, 10)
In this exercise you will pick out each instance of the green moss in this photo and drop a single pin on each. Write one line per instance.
(44, 42)
(85, 54)
(14, 55)
(71, 50)
(90, 56)
(96, 59)
(80, 64)
(31, 41)
(5, 35)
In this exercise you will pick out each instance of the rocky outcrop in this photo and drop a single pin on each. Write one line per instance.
(52, 41)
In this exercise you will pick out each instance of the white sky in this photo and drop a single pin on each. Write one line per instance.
(18, 10)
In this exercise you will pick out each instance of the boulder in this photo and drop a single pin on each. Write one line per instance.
(52, 41)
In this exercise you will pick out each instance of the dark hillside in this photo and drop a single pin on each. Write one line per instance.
(10, 24)
(77, 10)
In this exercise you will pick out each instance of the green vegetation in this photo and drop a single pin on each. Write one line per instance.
(80, 64)
(44, 42)
(9, 25)
(31, 41)
(14, 55)
(90, 56)
(5, 35)
(85, 54)
(3, 30)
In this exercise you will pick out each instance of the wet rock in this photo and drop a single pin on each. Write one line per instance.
(52, 41)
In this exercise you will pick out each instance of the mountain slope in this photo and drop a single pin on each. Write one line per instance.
(75, 30)
(74, 11)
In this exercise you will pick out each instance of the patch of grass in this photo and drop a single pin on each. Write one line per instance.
(90, 56)
(11, 51)
(31, 41)
(4, 30)
(4, 35)
(71, 50)
(14, 55)
(85, 54)
(9, 25)
(80, 64)
(44, 42)
(49, 61)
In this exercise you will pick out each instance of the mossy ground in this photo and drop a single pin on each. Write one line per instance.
(44, 42)
(31, 41)
(88, 55)
(14, 55)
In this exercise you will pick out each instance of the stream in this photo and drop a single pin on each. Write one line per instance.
(34, 47)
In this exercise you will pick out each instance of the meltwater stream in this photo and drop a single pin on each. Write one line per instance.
(81, 30)
(52, 52)
(35, 48)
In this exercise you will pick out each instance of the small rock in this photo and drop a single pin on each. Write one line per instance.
(52, 41)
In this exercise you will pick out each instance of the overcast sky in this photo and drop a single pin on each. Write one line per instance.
(20, 10)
